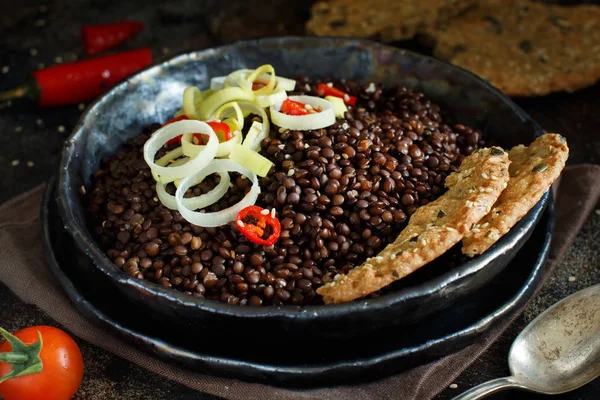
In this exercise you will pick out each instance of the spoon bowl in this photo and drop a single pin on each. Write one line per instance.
(557, 352)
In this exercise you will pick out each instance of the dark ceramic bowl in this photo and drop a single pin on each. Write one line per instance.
(154, 94)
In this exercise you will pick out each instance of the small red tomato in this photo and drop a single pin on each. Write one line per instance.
(62, 367)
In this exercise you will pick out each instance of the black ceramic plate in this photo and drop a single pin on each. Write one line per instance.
(154, 94)
(283, 363)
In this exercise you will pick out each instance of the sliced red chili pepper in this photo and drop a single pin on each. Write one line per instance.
(292, 107)
(256, 231)
(258, 85)
(324, 90)
(76, 82)
(97, 38)
(222, 130)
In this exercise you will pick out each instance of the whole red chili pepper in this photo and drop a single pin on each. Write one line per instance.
(97, 38)
(255, 232)
(75, 82)
(325, 90)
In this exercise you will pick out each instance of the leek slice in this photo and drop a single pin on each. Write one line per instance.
(339, 107)
(191, 96)
(266, 101)
(250, 159)
(239, 116)
(266, 69)
(223, 96)
(252, 136)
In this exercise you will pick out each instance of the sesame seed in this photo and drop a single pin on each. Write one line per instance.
(306, 146)
(307, 87)
(155, 199)
(485, 176)
(82, 189)
(240, 223)
(370, 88)
(33, 52)
(494, 178)
(265, 212)
(291, 172)
(18, 129)
(345, 156)
(5, 69)
(30, 164)
(449, 229)
(330, 84)
(336, 277)
(58, 59)
(469, 203)
(572, 278)
(308, 107)
(345, 126)
(281, 146)
(453, 386)
(485, 225)
(14, 163)
(272, 212)
(415, 249)
(346, 97)
(475, 230)
(287, 156)
(424, 242)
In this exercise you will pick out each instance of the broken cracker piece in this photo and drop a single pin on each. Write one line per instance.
(440, 224)
(532, 170)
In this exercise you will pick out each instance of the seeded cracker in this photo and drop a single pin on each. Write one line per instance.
(432, 229)
(381, 19)
(525, 48)
(533, 169)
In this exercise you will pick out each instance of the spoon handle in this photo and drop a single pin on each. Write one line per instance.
(487, 388)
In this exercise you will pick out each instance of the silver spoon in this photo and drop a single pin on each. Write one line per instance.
(557, 352)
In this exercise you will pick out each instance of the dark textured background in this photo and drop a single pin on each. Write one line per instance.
(35, 34)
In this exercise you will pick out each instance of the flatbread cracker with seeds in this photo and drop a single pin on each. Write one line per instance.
(380, 19)
(533, 169)
(525, 48)
(432, 229)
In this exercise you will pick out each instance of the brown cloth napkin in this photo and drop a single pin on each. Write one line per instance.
(22, 269)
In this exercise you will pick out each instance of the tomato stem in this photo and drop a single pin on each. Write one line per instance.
(14, 358)
(25, 359)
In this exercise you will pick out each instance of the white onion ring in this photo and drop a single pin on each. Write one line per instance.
(171, 131)
(214, 219)
(322, 119)
(286, 84)
(195, 202)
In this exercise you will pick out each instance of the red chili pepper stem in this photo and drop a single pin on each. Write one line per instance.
(28, 90)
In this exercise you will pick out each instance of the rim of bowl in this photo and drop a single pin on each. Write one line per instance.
(87, 244)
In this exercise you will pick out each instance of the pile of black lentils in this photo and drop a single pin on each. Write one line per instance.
(341, 193)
